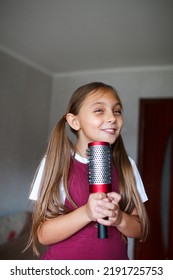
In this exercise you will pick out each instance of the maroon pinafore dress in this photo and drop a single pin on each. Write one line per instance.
(85, 245)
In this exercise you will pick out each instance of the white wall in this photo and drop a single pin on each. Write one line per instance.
(131, 84)
(24, 118)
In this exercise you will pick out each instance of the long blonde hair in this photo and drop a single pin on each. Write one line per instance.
(58, 161)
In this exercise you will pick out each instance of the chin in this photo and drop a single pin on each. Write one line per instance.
(110, 141)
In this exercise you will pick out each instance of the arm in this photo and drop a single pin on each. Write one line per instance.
(128, 224)
(62, 227)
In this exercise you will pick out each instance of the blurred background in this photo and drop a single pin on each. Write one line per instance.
(48, 48)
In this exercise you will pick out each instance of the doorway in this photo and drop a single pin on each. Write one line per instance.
(155, 162)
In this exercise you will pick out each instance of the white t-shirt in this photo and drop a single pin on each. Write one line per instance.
(35, 190)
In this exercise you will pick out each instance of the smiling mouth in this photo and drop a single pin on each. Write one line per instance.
(109, 130)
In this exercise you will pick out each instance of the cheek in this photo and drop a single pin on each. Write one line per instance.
(120, 123)
(92, 122)
(87, 124)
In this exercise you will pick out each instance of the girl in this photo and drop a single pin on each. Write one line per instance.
(66, 215)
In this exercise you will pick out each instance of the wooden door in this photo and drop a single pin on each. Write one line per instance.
(155, 162)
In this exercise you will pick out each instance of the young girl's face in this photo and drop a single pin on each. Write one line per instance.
(99, 119)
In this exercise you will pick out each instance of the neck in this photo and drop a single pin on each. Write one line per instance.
(81, 151)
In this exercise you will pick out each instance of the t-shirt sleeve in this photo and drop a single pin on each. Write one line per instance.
(36, 186)
(139, 183)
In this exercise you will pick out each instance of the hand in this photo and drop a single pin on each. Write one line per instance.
(91, 206)
(109, 208)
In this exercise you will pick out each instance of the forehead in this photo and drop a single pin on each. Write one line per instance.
(101, 95)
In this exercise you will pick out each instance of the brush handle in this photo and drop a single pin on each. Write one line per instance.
(102, 231)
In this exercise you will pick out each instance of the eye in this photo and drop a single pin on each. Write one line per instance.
(118, 112)
(99, 110)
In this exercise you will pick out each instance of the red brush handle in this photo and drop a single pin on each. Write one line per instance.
(105, 188)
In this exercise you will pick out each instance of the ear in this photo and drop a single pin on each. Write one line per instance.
(73, 121)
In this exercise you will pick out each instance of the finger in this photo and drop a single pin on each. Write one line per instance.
(106, 212)
(104, 222)
(116, 197)
(107, 204)
(99, 195)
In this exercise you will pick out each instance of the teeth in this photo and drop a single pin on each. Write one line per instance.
(109, 130)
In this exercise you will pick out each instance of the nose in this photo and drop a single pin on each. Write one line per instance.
(111, 117)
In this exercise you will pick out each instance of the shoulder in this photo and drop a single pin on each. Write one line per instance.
(134, 166)
(133, 163)
(139, 183)
(37, 180)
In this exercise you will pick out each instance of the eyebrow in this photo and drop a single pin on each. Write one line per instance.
(103, 103)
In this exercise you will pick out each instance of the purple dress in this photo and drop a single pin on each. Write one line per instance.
(85, 245)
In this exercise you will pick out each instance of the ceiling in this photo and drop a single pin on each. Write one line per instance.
(60, 36)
